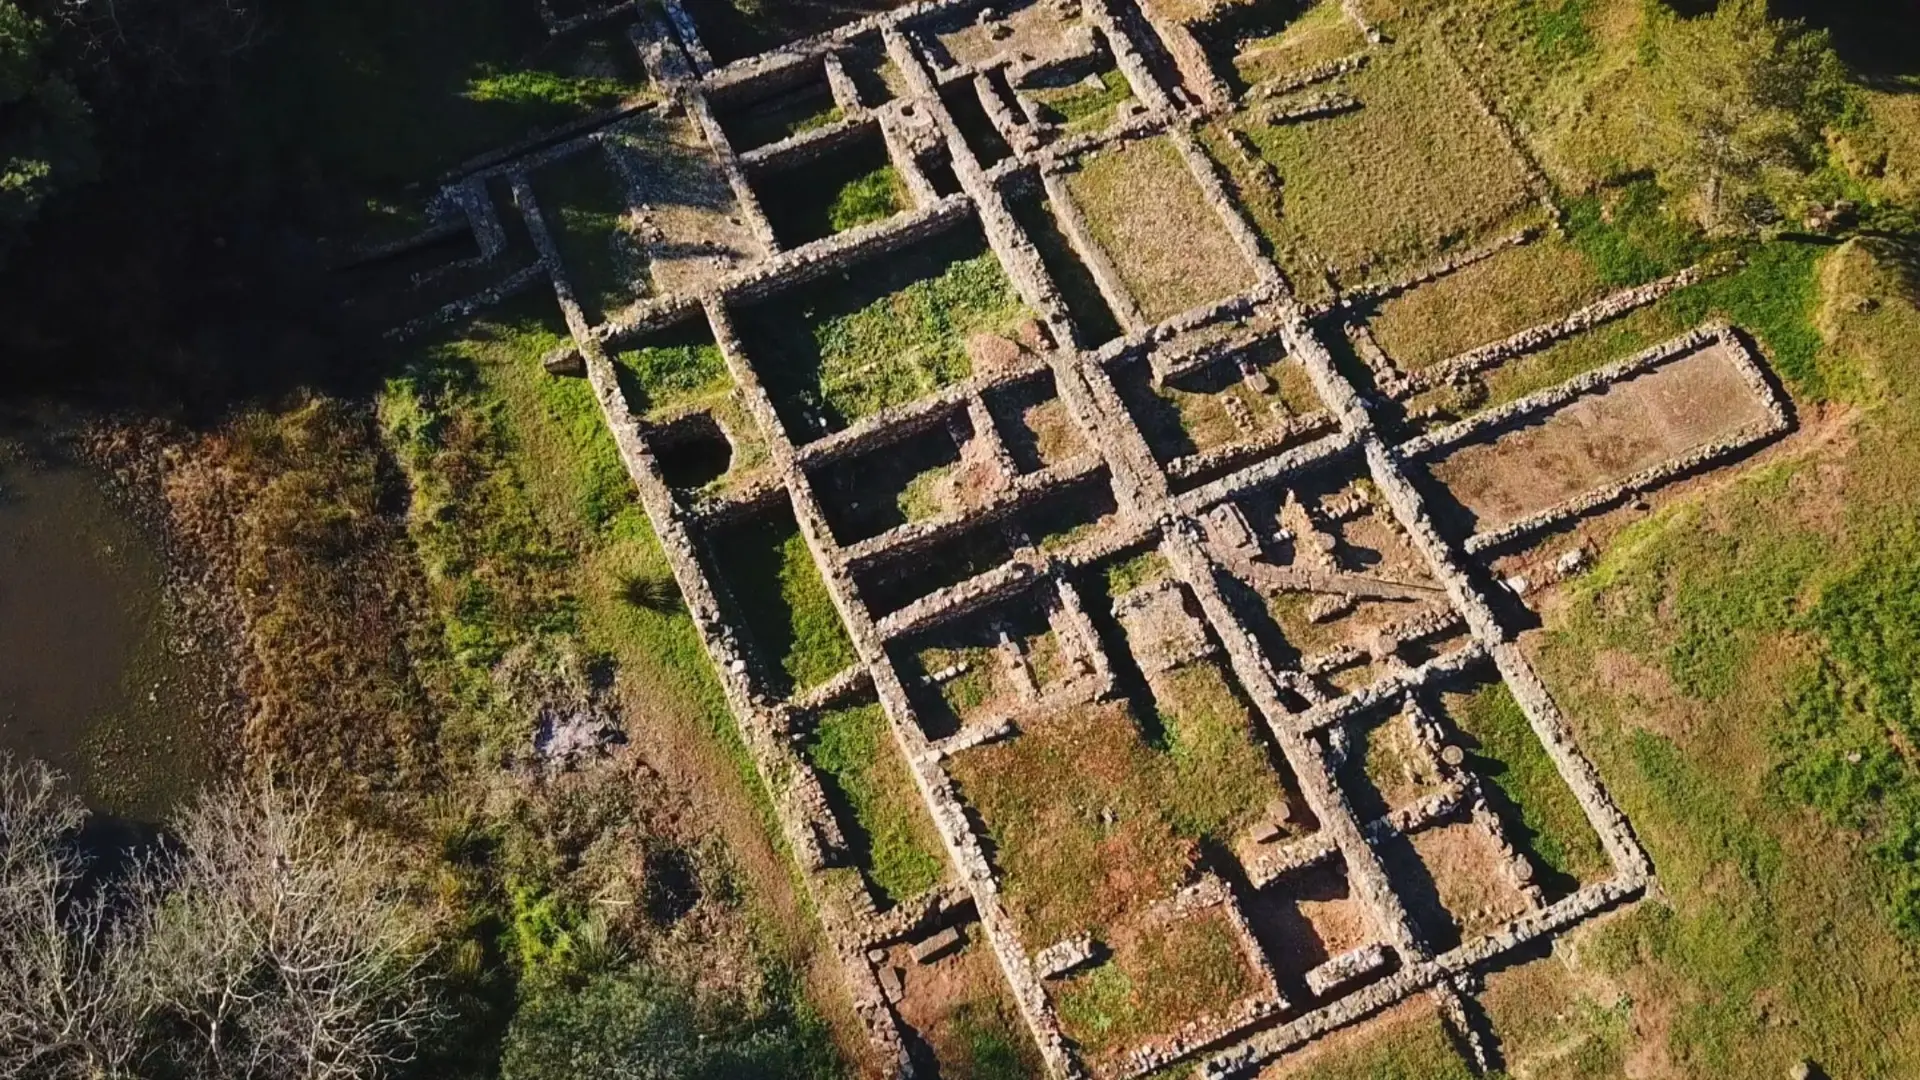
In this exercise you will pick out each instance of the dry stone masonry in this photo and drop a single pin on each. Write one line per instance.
(1272, 513)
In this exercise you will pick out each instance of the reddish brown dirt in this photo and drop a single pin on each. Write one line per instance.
(1600, 439)
(1467, 875)
(1307, 917)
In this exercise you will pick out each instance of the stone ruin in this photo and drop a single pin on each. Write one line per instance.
(952, 63)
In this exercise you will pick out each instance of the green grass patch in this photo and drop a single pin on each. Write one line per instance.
(1415, 172)
(770, 122)
(1543, 818)
(1219, 776)
(992, 1044)
(852, 186)
(674, 369)
(1091, 822)
(584, 204)
(1402, 1050)
(1557, 28)
(873, 196)
(1147, 214)
(1084, 107)
(783, 601)
(1521, 287)
(546, 91)
(1128, 574)
(1737, 660)
(1154, 983)
(523, 516)
(1772, 296)
(849, 348)
(1633, 234)
(856, 752)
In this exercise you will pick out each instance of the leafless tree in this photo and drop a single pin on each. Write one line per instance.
(287, 944)
(271, 941)
(67, 1005)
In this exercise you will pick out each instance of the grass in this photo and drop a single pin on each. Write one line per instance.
(1741, 668)
(530, 534)
(1091, 821)
(1407, 1046)
(1081, 108)
(1772, 297)
(921, 498)
(870, 494)
(991, 1044)
(584, 205)
(849, 348)
(1543, 818)
(846, 189)
(1125, 575)
(1413, 173)
(1078, 832)
(1260, 42)
(1156, 981)
(1632, 234)
(1518, 288)
(768, 123)
(1219, 775)
(783, 601)
(673, 369)
(855, 751)
(1147, 213)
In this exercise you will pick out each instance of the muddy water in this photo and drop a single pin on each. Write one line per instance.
(97, 674)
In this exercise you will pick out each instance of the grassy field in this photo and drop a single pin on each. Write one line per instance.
(1262, 41)
(1542, 817)
(1146, 212)
(850, 348)
(530, 534)
(1739, 665)
(783, 602)
(1097, 812)
(855, 750)
(674, 369)
(844, 190)
(1522, 287)
(1414, 172)
(1408, 1043)
(1082, 108)
(428, 86)
(1155, 982)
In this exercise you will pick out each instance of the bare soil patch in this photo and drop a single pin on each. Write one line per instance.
(1600, 438)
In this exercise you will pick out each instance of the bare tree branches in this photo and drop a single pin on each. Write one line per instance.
(272, 942)
(66, 1008)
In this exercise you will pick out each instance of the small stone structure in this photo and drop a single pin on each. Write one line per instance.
(1189, 508)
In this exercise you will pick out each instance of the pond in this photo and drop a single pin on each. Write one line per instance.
(98, 674)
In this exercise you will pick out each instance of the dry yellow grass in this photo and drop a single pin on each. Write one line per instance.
(1147, 213)
(1516, 289)
(1415, 171)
